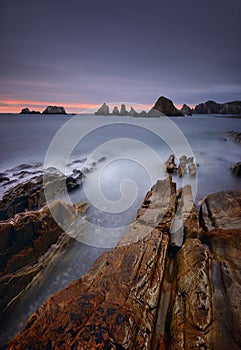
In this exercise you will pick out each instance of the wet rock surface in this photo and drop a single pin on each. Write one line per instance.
(235, 136)
(141, 295)
(186, 165)
(24, 240)
(236, 170)
(54, 110)
(29, 195)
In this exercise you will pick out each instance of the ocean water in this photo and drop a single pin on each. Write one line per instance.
(121, 158)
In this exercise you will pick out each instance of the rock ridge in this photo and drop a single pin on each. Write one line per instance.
(171, 283)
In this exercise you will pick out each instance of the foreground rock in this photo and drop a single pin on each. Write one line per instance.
(23, 241)
(29, 195)
(115, 305)
(136, 297)
(166, 106)
(54, 110)
(235, 136)
(236, 170)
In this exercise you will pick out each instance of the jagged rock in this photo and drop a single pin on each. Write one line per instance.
(115, 305)
(190, 309)
(186, 110)
(4, 178)
(27, 111)
(103, 110)
(236, 170)
(235, 136)
(136, 297)
(166, 106)
(212, 107)
(123, 110)
(170, 164)
(54, 110)
(143, 114)
(154, 113)
(192, 169)
(221, 211)
(23, 240)
(30, 194)
(115, 111)
(133, 112)
(182, 168)
(221, 222)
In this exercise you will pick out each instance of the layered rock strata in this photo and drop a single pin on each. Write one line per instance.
(24, 241)
(144, 294)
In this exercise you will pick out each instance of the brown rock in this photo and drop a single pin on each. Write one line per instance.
(190, 310)
(136, 297)
(29, 195)
(114, 305)
(235, 136)
(237, 169)
(170, 164)
(23, 241)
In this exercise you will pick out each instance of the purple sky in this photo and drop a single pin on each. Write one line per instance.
(87, 52)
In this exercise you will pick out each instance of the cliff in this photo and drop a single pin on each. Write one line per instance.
(149, 292)
(212, 107)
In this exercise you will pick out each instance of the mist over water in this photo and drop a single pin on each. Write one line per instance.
(117, 169)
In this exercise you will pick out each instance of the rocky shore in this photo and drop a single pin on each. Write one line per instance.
(171, 283)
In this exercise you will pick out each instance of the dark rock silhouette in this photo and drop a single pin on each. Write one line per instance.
(27, 111)
(166, 106)
(54, 110)
(186, 110)
(115, 111)
(123, 110)
(133, 112)
(237, 169)
(212, 107)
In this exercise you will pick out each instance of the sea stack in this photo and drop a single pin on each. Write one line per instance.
(54, 110)
(103, 110)
(166, 106)
(186, 110)
(27, 111)
(133, 112)
(123, 110)
(115, 111)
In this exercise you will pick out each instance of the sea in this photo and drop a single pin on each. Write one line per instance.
(120, 158)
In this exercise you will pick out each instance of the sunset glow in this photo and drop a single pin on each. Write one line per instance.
(15, 106)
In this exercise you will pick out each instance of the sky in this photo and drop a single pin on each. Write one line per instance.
(79, 53)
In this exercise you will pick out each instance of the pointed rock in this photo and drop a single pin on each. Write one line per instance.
(103, 110)
(115, 111)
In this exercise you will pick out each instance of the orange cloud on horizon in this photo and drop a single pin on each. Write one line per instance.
(15, 106)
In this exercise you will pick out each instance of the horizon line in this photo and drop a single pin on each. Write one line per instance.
(15, 106)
